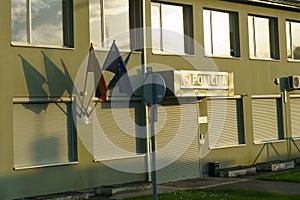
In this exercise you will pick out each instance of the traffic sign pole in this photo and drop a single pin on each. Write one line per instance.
(153, 110)
(154, 89)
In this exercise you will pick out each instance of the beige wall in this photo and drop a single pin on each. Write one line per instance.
(252, 77)
(45, 180)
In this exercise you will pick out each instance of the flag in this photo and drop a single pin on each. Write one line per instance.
(115, 79)
(115, 64)
(99, 81)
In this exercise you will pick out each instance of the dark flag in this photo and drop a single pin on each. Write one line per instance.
(100, 83)
(115, 64)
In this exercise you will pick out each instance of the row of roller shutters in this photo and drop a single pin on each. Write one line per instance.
(48, 129)
(268, 121)
(222, 132)
(44, 133)
(51, 138)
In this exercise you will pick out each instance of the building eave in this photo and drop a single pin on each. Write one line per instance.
(278, 4)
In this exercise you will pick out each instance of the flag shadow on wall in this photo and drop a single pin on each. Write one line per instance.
(57, 81)
(54, 81)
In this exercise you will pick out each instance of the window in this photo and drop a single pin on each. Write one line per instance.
(126, 138)
(221, 33)
(42, 22)
(267, 119)
(295, 116)
(172, 28)
(293, 39)
(225, 122)
(263, 37)
(110, 20)
(43, 134)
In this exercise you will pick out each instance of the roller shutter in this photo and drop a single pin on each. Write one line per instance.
(44, 134)
(222, 123)
(295, 117)
(265, 119)
(116, 133)
(176, 135)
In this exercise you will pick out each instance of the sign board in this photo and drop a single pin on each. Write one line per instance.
(190, 83)
(204, 80)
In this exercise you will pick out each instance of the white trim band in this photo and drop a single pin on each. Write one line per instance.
(17, 100)
(46, 165)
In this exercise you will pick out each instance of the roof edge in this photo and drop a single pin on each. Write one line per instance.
(285, 5)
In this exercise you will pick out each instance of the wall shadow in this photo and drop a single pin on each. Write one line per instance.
(34, 81)
(59, 83)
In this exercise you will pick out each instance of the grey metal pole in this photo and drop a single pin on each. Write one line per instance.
(153, 176)
(154, 90)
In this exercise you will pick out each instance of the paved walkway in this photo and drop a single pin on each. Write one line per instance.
(265, 186)
(201, 183)
(247, 183)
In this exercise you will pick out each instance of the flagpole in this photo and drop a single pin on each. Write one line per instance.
(144, 45)
(91, 99)
(96, 83)
(85, 83)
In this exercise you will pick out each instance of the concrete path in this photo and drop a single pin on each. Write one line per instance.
(247, 183)
(201, 183)
(264, 186)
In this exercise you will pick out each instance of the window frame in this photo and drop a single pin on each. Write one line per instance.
(188, 30)
(135, 22)
(240, 120)
(234, 39)
(289, 39)
(67, 27)
(273, 38)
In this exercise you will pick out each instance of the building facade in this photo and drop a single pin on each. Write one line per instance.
(231, 70)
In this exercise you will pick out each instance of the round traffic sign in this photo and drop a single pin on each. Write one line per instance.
(154, 88)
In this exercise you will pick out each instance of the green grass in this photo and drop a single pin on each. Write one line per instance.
(291, 176)
(218, 195)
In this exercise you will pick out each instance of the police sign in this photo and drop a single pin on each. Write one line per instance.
(204, 80)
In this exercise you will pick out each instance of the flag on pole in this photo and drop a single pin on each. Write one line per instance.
(99, 81)
(115, 64)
